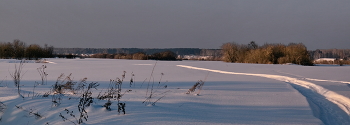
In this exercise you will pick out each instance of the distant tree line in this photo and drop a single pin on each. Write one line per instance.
(331, 53)
(67, 56)
(19, 50)
(148, 51)
(266, 54)
(336, 61)
(340, 56)
(166, 55)
(126, 53)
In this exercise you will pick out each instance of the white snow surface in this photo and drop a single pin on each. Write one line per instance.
(233, 93)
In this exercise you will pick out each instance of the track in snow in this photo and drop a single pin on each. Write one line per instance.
(328, 106)
(319, 80)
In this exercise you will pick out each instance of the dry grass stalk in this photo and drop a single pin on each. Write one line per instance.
(17, 75)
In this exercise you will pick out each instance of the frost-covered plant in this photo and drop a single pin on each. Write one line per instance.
(152, 94)
(114, 91)
(68, 83)
(43, 74)
(132, 79)
(161, 76)
(121, 107)
(46, 94)
(57, 91)
(148, 97)
(80, 86)
(64, 83)
(56, 99)
(57, 88)
(107, 105)
(149, 101)
(71, 114)
(35, 85)
(149, 81)
(85, 101)
(17, 75)
(198, 85)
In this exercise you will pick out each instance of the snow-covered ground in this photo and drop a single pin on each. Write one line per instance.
(232, 93)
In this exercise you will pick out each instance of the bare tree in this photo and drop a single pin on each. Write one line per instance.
(229, 52)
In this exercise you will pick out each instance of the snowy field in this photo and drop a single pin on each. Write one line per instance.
(232, 93)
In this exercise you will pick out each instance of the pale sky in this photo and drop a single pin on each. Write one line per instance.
(319, 24)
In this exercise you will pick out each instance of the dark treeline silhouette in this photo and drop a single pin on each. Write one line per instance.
(148, 51)
(166, 55)
(128, 53)
(266, 54)
(19, 50)
(67, 56)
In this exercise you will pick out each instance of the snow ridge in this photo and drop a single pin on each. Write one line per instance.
(322, 80)
(312, 79)
(332, 108)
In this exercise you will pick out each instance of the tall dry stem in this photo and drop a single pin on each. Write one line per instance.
(42, 74)
(17, 75)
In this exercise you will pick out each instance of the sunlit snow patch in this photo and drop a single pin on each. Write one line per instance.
(50, 62)
(322, 80)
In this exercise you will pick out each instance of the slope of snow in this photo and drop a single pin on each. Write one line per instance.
(328, 113)
(232, 93)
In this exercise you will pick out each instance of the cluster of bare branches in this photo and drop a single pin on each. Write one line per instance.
(17, 75)
(66, 84)
(85, 101)
(114, 91)
(56, 99)
(149, 101)
(71, 114)
(153, 93)
(43, 76)
(57, 91)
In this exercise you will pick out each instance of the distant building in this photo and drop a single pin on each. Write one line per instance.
(325, 59)
(329, 60)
